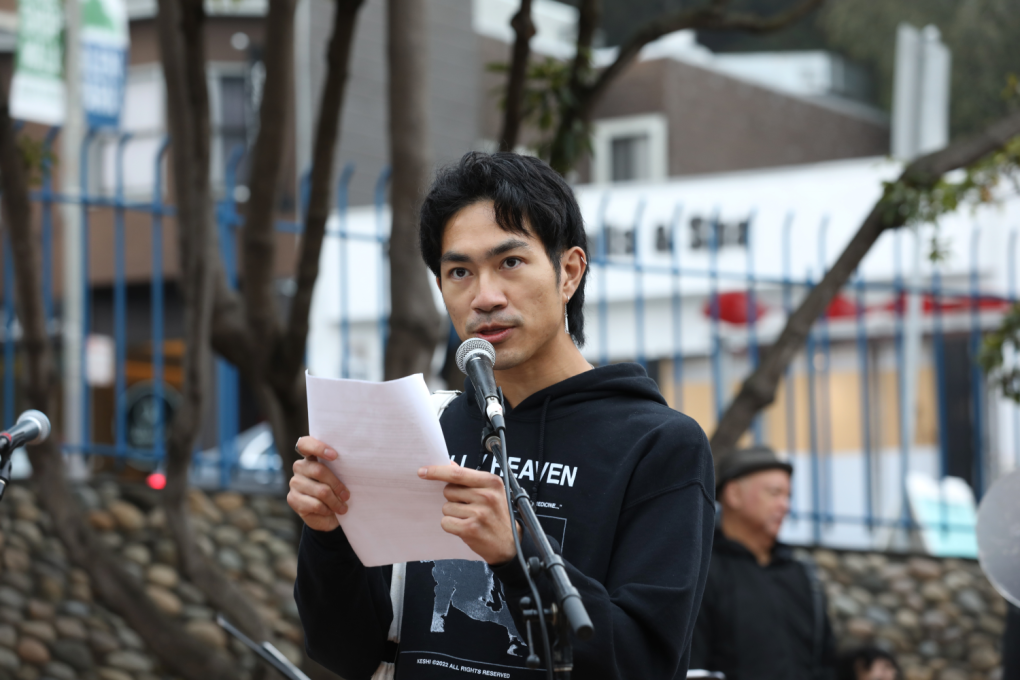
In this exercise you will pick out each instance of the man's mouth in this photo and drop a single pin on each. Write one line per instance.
(494, 334)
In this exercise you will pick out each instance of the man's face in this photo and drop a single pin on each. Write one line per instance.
(760, 499)
(500, 286)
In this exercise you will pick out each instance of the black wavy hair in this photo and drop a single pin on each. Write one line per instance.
(529, 198)
(846, 664)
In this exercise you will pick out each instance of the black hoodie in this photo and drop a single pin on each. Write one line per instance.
(623, 487)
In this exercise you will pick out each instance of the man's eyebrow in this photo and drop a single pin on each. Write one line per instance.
(504, 247)
(454, 256)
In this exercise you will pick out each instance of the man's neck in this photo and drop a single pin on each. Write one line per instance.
(559, 360)
(751, 538)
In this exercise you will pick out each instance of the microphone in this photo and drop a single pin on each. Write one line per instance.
(475, 358)
(32, 427)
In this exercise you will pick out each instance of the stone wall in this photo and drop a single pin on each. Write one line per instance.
(51, 626)
(941, 618)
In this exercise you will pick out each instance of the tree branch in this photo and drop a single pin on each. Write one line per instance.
(709, 17)
(259, 233)
(327, 132)
(230, 337)
(759, 390)
(524, 29)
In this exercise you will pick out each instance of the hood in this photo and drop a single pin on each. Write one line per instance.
(613, 380)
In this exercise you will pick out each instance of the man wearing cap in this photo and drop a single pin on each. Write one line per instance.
(763, 615)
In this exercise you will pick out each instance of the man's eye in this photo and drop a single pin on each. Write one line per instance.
(458, 273)
(512, 262)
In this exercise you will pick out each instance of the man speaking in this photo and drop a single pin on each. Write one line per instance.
(622, 484)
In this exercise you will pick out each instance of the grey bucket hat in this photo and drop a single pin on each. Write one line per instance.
(742, 462)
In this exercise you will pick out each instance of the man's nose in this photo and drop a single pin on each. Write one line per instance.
(489, 295)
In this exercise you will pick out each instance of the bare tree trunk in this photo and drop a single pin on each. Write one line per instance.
(524, 30)
(275, 373)
(259, 233)
(182, 653)
(759, 390)
(414, 319)
(182, 43)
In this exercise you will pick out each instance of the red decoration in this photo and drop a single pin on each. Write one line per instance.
(733, 308)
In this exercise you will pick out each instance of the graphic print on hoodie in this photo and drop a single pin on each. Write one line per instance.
(623, 488)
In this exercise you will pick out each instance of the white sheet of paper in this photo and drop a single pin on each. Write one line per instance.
(384, 432)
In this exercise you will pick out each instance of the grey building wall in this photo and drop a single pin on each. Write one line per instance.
(718, 123)
(364, 140)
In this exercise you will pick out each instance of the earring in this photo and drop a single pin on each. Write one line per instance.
(566, 318)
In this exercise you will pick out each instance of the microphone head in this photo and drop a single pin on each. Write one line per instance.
(472, 347)
(41, 420)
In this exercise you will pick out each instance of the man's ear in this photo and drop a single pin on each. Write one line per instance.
(572, 267)
(731, 496)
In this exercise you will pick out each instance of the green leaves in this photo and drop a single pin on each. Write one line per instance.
(34, 155)
(991, 356)
(909, 202)
(547, 95)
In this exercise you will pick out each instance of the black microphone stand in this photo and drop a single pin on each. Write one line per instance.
(567, 613)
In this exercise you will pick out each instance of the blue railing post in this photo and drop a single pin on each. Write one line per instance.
(226, 374)
(9, 367)
(713, 276)
(901, 408)
(381, 235)
(47, 223)
(791, 389)
(825, 401)
(812, 388)
(156, 298)
(603, 260)
(752, 317)
(865, 387)
(977, 375)
(678, 351)
(342, 188)
(120, 306)
(639, 292)
(86, 290)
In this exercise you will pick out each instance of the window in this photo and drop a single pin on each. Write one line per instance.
(233, 131)
(630, 158)
(629, 149)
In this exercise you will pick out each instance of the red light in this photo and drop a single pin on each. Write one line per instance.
(157, 480)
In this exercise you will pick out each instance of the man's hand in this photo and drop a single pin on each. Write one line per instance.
(316, 495)
(475, 510)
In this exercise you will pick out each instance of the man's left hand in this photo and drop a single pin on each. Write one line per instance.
(475, 510)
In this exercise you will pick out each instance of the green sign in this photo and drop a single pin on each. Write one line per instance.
(37, 88)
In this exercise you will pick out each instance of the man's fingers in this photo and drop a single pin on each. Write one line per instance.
(308, 506)
(319, 491)
(458, 510)
(320, 473)
(454, 474)
(313, 448)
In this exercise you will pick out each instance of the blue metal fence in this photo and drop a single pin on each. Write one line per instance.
(815, 502)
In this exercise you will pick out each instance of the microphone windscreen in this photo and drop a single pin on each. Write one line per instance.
(472, 346)
(41, 420)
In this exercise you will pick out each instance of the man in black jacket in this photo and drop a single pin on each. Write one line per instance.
(763, 616)
(623, 485)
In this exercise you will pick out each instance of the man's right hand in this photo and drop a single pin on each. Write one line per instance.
(316, 495)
